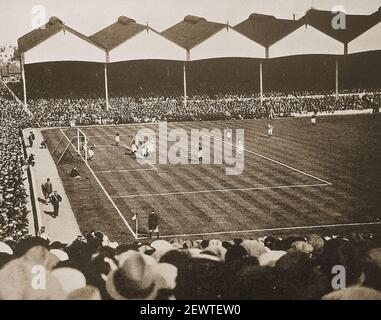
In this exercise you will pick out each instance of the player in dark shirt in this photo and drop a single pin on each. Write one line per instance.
(153, 224)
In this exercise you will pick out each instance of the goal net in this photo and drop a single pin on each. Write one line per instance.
(72, 147)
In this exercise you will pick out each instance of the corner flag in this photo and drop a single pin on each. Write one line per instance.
(135, 218)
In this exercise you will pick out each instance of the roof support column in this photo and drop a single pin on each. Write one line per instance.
(337, 78)
(23, 77)
(185, 79)
(185, 84)
(261, 81)
(106, 81)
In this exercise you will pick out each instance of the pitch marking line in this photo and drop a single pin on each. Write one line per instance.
(123, 145)
(137, 154)
(101, 136)
(219, 190)
(275, 161)
(103, 188)
(125, 170)
(254, 153)
(272, 229)
(325, 183)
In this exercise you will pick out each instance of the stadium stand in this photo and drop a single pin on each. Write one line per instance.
(59, 112)
(13, 218)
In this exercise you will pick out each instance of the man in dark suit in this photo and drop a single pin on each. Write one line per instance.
(47, 189)
(31, 161)
(55, 200)
(153, 224)
(31, 138)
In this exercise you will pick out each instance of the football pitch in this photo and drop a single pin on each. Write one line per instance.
(303, 178)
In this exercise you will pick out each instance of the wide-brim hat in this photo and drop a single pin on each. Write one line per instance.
(135, 279)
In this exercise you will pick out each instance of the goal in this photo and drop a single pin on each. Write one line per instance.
(73, 146)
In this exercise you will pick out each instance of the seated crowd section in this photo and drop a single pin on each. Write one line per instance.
(86, 111)
(13, 195)
(92, 268)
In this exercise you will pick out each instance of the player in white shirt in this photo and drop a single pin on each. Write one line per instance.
(90, 154)
(84, 143)
(150, 147)
(134, 149)
(239, 149)
(117, 139)
(228, 134)
(313, 119)
(85, 147)
(144, 149)
(270, 130)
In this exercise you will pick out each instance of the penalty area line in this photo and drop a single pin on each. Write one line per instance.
(249, 151)
(103, 188)
(272, 160)
(220, 190)
(137, 154)
(125, 170)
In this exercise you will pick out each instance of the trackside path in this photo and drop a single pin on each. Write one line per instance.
(64, 228)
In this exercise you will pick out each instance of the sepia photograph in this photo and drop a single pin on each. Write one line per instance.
(190, 150)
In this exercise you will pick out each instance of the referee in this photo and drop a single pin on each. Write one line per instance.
(153, 224)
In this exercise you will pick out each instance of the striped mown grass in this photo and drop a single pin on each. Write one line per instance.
(303, 176)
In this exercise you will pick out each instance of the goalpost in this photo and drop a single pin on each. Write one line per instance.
(82, 144)
(77, 140)
(76, 145)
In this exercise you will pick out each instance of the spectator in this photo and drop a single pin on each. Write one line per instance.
(43, 145)
(93, 267)
(372, 269)
(43, 233)
(55, 200)
(62, 111)
(30, 139)
(13, 211)
(31, 161)
(47, 189)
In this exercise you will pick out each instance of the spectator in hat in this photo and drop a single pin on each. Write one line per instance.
(43, 233)
(43, 145)
(55, 200)
(354, 293)
(135, 278)
(251, 283)
(30, 139)
(344, 253)
(200, 279)
(372, 269)
(297, 278)
(31, 161)
(47, 189)
(17, 277)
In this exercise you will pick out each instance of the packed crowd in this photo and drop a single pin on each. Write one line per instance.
(60, 111)
(93, 267)
(13, 211)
